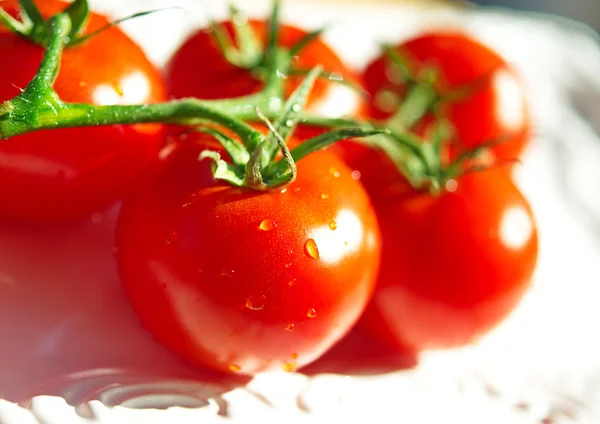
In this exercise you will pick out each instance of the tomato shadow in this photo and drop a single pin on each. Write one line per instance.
(358, 354)
(67, 330)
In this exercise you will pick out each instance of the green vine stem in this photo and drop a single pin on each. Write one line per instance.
(39, 107)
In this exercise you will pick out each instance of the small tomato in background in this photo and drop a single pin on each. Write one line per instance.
(454, 265)
(199, 69)
(486, 101)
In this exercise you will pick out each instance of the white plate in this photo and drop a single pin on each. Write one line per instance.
(71, 350)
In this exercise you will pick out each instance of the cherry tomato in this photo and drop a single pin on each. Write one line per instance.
(245, 281)
(199, 69)
(62, 175)
(495, 107)
(453, 266)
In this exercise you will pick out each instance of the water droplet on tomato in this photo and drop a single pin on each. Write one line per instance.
(234, 368)
(266, 225)
(289, 327)
(355, 175)
(171, 237)
(288, 265)
(333, 171)
(311, 313)
(292, 282)
(255, 303)
(283, 190)
(324, 196)
(311, 249)
(451, 185)
(290, 366)
(296, 189)
(333, 225)
(97, 218)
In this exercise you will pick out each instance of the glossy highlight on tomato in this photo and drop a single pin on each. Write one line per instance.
(57, 176)
(453, 266)
(244, 281)
(199, 69)
(494, 108)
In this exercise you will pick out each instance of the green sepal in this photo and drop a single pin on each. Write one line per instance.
(306, 40)
(32, 12)
(237, 152)
(456, 168)
(253, 177)
(418, 102)
(79, 12)
(221, 169)
(399, 61)
(248, 54)
(82, 39)
(289, 116)
(14, 25)
(332, 76)
(249, 49)
(322, 141)
(273, 34)
(290, 171)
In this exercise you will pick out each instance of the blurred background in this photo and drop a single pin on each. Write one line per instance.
(587, 11)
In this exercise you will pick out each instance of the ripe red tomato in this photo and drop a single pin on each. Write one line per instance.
(199, 69)
(454, 265)
(496, 108)
(62, 175)
(245, 281)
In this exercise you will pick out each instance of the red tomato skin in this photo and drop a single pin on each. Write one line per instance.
(478, 117)
(58, 176)
(199, 69)
(223, 276)
(453, 266)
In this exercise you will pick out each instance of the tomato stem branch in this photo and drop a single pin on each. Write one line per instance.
(39, 107)
(60, 26)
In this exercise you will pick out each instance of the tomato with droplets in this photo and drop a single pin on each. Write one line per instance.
(62, 175)
(453, 265)
(241, 280)
(493, 108)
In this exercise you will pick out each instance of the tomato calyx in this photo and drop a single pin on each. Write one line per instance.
(247, 54)
(255, 165)
(37, 29)
(423, 158)
(244, 50)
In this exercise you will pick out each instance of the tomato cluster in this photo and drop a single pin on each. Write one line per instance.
(243, 280)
